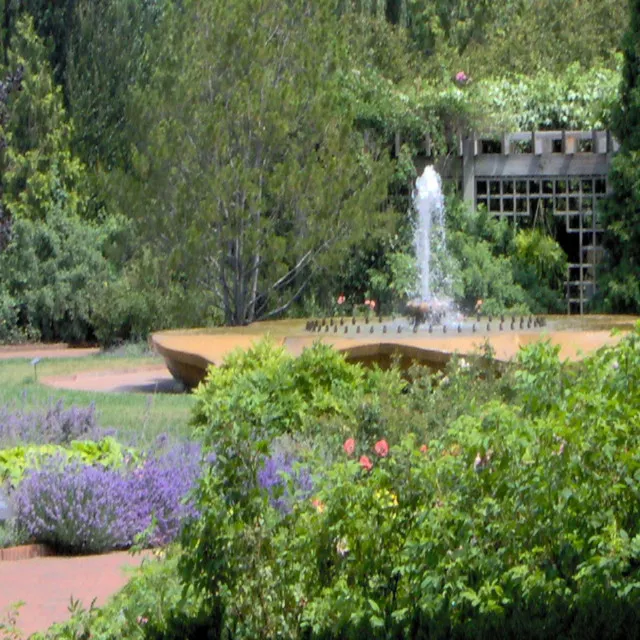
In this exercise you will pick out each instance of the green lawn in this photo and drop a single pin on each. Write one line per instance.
(134, 415)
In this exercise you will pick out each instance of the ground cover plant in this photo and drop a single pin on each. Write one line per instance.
(514, 515)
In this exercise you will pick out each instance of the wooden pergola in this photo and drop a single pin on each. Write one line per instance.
(525, 176)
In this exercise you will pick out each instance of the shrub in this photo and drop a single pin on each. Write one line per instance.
(144, 298)
(521, 519)
(272, 393)
(51, 268)
(87, 509)
(54, 425)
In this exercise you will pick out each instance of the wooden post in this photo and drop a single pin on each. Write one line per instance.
(536, 147)
(427, 145)
(506, 143)
(469, 151)
(599, 142)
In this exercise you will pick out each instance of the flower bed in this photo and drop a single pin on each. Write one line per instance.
(79, 508)
(91, 494)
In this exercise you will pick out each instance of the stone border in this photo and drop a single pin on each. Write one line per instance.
(26, 552)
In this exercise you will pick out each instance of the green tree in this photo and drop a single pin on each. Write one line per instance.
(252, 177)
(53, 260)
(38, 168)
(620, 286)
(530, 36)
(100, 74)
(53, 22)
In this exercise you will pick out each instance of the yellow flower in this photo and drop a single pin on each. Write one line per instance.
(386, 498)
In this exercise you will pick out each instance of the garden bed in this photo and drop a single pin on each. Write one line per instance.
(26, 552)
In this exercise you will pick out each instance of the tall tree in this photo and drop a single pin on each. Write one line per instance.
(101, 72)
(38, 168)
(53, 258)
(53, 22)
(253, 178)
(621, 281)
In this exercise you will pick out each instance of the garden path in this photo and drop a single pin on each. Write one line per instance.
(148, 379)
(46, 585)
(144, 379)
(45, 351)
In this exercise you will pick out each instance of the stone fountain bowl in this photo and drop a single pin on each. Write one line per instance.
(189, 353)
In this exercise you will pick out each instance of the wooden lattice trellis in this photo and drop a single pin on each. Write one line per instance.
(528, 175)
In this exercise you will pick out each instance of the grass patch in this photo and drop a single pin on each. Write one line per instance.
(136, 416)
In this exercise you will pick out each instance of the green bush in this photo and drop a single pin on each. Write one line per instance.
(520, 521)
(144, 298)
(51, 270)
(513, 269)
(273, 393)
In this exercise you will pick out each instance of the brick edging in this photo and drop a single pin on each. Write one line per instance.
(25, 552)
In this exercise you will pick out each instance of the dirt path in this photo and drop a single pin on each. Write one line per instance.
(45, 351)
(46, 585)
(148, 379)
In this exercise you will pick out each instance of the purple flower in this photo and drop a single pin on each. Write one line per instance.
(279, 475)
(88, 509)
(55, 425)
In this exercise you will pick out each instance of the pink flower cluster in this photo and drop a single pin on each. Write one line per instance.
(461, 77)
(341, 299)
(370, 303)
(381, 448)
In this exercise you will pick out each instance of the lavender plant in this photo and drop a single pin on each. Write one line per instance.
(90, 509)
(284, 480)
(55, 425)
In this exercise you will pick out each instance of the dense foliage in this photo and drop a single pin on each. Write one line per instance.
(621, 288)
(281, 185)
(462, 504)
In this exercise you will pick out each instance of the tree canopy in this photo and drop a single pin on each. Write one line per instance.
(249, 158)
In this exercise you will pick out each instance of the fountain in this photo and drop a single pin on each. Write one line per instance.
(431, 237)
(188, 354)
(434, 264)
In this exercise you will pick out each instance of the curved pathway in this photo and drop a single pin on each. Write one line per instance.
(144, 379)
(8, 352)
(46, 585)
(148, 379)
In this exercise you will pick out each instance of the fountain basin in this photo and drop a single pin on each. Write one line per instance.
(188, 354)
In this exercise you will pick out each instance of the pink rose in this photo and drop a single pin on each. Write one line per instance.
(341, 299)
(381, 448)
(365, 463)
(349, 446)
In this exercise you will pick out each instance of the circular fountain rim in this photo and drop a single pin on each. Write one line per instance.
(188, 362)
